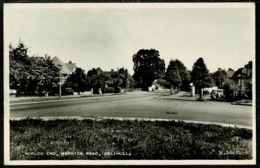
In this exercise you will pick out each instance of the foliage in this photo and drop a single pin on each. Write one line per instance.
(166, 140)
(121, 79)
(231, 90)
(177, 75)
(163, 82)
(200, 75)
(78, 81)
(148, 66)
(185, 79)
(97, 79)
(173, 75)
(220, 77)
(31, 75)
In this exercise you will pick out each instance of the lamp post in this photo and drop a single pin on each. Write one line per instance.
(60, 66)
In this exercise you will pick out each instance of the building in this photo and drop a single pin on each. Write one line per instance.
(66, 70)
(243, 76)
(230, 72)
(155, 86)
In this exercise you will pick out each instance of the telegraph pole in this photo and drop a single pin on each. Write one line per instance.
(60, 82)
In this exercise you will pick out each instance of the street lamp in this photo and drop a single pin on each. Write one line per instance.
(60, 66)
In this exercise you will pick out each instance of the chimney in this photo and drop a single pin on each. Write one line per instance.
(112, 70)
(70, 62)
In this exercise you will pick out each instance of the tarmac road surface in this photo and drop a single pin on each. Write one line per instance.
(137, 104)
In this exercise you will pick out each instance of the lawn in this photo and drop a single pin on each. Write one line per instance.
(87, 139)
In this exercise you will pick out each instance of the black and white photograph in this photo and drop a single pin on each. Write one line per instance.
(129, 84)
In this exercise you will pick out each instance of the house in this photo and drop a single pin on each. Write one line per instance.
(243, 76)
(66, 70)
(230, 72)
(155, 86)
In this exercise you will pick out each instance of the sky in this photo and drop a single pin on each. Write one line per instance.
(108, 36)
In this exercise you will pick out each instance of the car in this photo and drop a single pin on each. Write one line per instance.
(67, 91)
(217, 94)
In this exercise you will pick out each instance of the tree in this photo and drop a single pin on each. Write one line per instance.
(219, 77)
(77, 81)
(148, 66)
(31, 75)
(231, 90)
(200, 76)
(177, 75)
(47, 71)
(121, 79)
(184, 74)
(18, 67)
(173, 76)
(97, 79)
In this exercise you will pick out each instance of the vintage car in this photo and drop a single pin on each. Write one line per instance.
(217, 94)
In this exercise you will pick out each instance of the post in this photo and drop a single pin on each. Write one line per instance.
(60, 82)
(60, 87)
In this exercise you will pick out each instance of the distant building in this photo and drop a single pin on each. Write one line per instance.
(109, 73)
(243, 76)
(66, 69)
(230, 73)
(155, 86)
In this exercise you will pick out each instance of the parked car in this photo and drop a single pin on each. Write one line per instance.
(217, 94)
(67, 91)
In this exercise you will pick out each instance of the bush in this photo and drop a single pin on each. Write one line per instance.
(118, 89)
(129, 89)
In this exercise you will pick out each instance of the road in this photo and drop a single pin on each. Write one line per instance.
(138, 104)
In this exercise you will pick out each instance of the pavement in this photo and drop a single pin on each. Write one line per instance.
(185, 96)
(181, 96)
(53, 98)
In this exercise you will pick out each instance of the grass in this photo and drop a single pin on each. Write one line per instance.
(37, 139)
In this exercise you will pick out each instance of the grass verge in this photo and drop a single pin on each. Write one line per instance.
(87, 139)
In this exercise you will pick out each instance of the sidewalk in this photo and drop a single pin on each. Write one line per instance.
(49, 98)
(185, 96)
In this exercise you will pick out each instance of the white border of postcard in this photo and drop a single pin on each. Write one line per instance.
(7, 160)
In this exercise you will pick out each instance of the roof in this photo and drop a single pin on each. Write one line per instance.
(67, 68)
(241, 72)
(245, 72)
(109, 73)
(71, 66)
(57, 61)
(230, 74)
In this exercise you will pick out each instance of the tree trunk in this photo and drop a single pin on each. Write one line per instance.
(200, 94)
(171, 89)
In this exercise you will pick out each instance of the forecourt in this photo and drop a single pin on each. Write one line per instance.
(137, 105)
